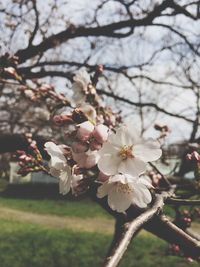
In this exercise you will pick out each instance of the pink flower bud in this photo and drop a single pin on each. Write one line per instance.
(103, 177)
(22, 157)
(94, 145)
(84, 130)
(86, 159)
(10, 70)
(196, 156)
(176, 248)
(79, 147)
(60, 119)
(100, 133)
(193, 156)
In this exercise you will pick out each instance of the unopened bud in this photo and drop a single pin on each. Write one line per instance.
(100, 133)
(94, 145)
(79, 147)
(84, 130)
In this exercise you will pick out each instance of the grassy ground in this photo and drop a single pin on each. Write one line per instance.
(23, 245)
(66, 233)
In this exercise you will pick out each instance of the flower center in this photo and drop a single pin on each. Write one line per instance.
(123, 188)
(126, 152)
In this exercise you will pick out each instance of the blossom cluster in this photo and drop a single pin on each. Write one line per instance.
(115, 155)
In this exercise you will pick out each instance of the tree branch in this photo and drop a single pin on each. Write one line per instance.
(130, 229)
(162, 227)
(109, 30)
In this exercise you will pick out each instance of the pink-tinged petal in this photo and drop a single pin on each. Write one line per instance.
(87, 159)
(91, 160)
(108, 164)
(84, 130)
(148, 151)
(132, 166)
(102, 177)
(119, 201)
(94, 145)
(100, 133)
(103, 190)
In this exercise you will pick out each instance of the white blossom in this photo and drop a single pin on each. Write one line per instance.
(126, 152)
(58, 167)
(58, 160)
(124, 190)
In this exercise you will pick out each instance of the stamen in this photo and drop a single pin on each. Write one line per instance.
(126, 152)
(123, 188)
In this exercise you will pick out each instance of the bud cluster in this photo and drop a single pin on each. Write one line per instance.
(183, 219)
(29, 161)
(194, 157)
(8, 67)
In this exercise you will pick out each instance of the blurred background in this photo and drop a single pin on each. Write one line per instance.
(150, 53)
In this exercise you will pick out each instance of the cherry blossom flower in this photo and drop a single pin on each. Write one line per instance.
(65, 180)
(126, 152)
(124, 190)
(69, 180)
(58, 160)
(58, 167)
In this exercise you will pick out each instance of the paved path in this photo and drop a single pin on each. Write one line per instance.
(97, 224)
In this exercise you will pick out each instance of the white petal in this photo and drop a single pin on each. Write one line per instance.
(52, 148)
(119, 201)
(108, 149)
(58, 160)
(103, 190)
(75, 182)
(133, 167)
(148, 151)
(65, 182)
(141, 197)
(108, 164)
(145, 180)
(120, 138)
(54, 172)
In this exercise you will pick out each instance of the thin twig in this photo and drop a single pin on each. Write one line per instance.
(177, 201)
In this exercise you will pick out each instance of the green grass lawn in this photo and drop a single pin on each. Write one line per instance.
(28, 245)
(24, 244)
